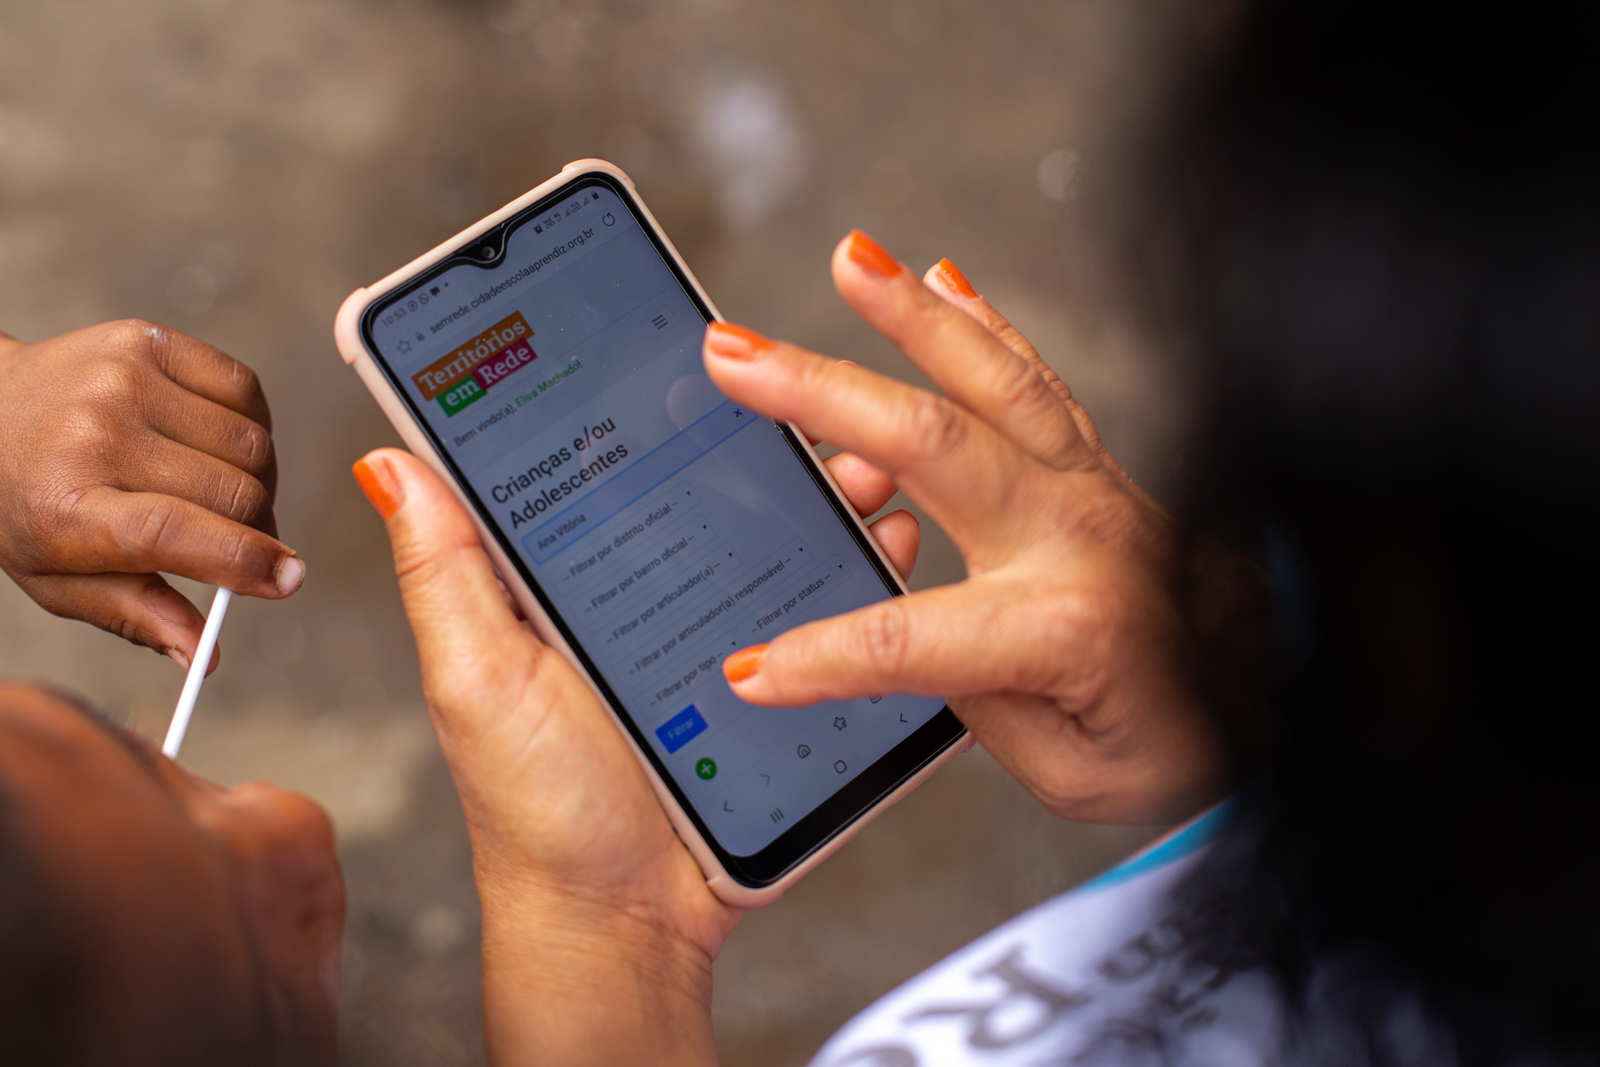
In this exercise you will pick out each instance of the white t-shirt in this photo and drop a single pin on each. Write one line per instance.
(1094, 976)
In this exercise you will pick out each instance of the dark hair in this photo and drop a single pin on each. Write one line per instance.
(38, 978)
(1390, 216)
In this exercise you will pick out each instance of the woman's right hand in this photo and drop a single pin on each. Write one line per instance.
(1100, 653)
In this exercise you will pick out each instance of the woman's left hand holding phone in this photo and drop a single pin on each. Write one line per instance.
(598, 927)
(126, 450)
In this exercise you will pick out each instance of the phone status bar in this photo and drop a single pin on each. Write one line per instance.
(567, 210)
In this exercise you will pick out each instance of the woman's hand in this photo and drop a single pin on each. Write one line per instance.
(128, 449)
(1093, 644)
(599, 930)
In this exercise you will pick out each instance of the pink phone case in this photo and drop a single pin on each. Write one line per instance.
(347, 334)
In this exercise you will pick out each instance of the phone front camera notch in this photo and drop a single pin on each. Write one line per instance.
(486, 252)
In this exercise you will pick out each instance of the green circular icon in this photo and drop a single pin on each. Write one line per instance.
(706, 768)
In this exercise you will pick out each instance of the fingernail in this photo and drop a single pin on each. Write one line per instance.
(379, 483)
(744, 663)
(291, 575)
(870, 256)
(954, 279)
(736, 342)
(178, 657)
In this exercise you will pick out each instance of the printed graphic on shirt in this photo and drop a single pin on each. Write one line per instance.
(1105, 974)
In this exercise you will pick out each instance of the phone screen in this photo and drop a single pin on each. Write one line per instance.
(557, 365)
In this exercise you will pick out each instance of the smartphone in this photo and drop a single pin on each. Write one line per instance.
(546, 361)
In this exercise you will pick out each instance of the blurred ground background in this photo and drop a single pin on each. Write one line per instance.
(235, 169)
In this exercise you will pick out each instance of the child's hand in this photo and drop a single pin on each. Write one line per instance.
(128, 449)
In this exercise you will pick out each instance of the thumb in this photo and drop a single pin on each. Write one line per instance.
(459, 616)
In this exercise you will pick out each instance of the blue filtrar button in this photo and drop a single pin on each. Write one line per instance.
(681, 729)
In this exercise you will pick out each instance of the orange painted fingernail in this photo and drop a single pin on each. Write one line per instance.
(379, 483)
(870, 256)
(744, 663)
(954, 279)
(736, 342)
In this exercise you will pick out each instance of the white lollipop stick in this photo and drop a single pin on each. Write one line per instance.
(197, 674)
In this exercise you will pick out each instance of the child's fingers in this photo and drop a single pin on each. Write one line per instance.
(171, 469)
(145, 533)
(141, 608)
(214, 429)
(209, 372)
